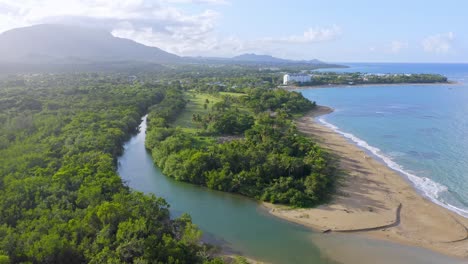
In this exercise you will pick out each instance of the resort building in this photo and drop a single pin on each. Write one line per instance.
(296, 78)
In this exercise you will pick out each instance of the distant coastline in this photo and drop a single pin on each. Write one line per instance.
(374, 200)
(320, 86)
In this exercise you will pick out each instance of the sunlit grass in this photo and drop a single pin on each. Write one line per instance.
(194, 106)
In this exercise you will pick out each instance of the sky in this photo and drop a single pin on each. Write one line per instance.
(332, 30)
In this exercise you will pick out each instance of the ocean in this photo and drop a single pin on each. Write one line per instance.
(420, 131)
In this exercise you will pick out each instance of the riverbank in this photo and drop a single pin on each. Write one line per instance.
(376, 201)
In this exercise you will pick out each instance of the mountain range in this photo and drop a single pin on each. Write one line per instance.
(270, 59)
(66, 44)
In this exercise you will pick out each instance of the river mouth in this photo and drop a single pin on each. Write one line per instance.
(242, 226)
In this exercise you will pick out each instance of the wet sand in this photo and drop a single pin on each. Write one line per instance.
(376, 201)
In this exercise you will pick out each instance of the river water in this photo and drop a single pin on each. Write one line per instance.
(242, 226)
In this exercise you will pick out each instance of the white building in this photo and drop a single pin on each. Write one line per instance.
(298, 78)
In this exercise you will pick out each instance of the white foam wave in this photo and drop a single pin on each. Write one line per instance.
(428, 187)
(396, 154)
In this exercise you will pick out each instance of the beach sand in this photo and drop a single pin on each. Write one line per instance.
(376, 201)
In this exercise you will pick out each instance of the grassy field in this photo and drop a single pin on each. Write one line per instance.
(195, 106)
(232, 94)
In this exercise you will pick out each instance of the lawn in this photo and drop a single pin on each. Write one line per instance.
(195, 106)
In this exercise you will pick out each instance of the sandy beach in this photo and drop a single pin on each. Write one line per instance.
(376, 201)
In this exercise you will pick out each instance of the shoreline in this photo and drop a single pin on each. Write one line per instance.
(375, 201)
(232, 259)
(362, 85)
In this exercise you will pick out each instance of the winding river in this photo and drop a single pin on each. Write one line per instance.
(242, 226)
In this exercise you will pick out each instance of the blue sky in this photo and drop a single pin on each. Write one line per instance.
(333, 30)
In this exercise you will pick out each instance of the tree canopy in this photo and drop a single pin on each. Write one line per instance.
(61, 200)
(271, 161)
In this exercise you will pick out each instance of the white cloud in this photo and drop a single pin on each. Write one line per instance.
(211, 2)
(159, 23)
(311, 35)
(439, 43)
(393, 47)
(189, 35)
(202, 40)
(153, 22)
(397, 46)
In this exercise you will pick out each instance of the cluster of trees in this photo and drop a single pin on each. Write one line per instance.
(406, 78)
(359, 78)
(165, 111)
(261, 100)
(232, 122)
(61, 200)
(225, 117)
(273, 162)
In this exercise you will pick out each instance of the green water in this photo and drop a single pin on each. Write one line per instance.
(242, 226)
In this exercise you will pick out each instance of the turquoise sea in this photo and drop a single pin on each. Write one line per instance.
(421, 131)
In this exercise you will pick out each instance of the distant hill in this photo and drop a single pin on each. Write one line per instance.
(42, 44)
(270, 59)
(254, 59)
(258, 58)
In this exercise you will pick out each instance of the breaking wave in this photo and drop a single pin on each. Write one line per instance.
(426, 186)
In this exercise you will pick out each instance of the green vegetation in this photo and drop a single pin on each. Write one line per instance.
(224, 127)
(326, 78)
(197, 104)
(244, 142)
(61, 200)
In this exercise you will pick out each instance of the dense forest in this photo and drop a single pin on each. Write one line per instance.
(61, 200)
(242, 142)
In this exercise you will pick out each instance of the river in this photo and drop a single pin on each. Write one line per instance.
(243, 226)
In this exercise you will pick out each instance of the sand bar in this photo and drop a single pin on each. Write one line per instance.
(374, 200)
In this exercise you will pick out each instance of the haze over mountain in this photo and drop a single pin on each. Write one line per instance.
(267, 58)
(74, 45)
(60, 43)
